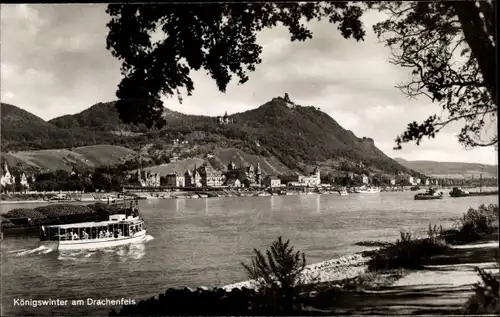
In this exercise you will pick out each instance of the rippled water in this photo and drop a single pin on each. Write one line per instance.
(202, 242)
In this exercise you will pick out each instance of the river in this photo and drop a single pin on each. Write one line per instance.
(203, 241)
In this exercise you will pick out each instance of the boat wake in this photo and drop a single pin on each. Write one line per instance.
(75, 255)
(16, 251)
(36, 251)
(134, 251)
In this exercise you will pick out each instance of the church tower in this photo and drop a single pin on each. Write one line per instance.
(258, 174)
(317, 173)
(8, 179)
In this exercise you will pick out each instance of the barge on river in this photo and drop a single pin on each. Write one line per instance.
(429, 195)
(120, 229)
(458, 192)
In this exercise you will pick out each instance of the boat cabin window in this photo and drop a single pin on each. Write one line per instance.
(114, 230)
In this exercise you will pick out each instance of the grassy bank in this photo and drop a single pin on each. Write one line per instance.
(475, 226)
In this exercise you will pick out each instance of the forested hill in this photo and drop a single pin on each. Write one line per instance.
(104, 116)
(306, 134)
(22, 130)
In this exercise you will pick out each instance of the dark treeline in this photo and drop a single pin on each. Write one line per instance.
(102, 179)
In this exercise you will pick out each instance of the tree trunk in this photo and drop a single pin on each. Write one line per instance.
(477, 36)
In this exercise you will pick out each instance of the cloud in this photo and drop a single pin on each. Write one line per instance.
(55, 62)
(54, 59)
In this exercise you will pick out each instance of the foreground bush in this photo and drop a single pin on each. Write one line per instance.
(407, 252)
(474, 224)
(485, 299)
(482, 219)
(279, 273)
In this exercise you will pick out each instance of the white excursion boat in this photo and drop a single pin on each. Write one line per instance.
(59, 198)
(369, 190)
(108, 198)
(263, 194)
(120, 229)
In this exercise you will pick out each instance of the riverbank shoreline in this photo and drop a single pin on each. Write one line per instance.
(192, 194)
(13, 202)
(170, 195)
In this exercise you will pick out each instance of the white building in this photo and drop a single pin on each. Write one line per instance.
(6, 177)
(311, 180)
(314, 179)
(272, 181)
(364, 179)
(24, 181)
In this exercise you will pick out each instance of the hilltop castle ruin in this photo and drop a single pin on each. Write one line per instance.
(225, 119)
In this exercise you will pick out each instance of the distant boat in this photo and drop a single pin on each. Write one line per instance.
(429, 195)
(458, 192)
(108, 198)
(414, 188)
(343, 192)
(263, 194)
(60, 197)
(369, 190)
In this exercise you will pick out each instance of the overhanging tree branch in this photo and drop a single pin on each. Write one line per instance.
(449, 45)
(427, 39)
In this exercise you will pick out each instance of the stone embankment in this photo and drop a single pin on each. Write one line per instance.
(333, 270)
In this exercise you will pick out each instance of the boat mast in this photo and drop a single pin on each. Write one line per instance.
(480, 182)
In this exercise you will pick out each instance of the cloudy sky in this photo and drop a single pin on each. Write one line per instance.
(54, 62)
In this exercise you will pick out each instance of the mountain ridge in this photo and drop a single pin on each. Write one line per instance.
(299, 137)
(450, 169)
(22, 129)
